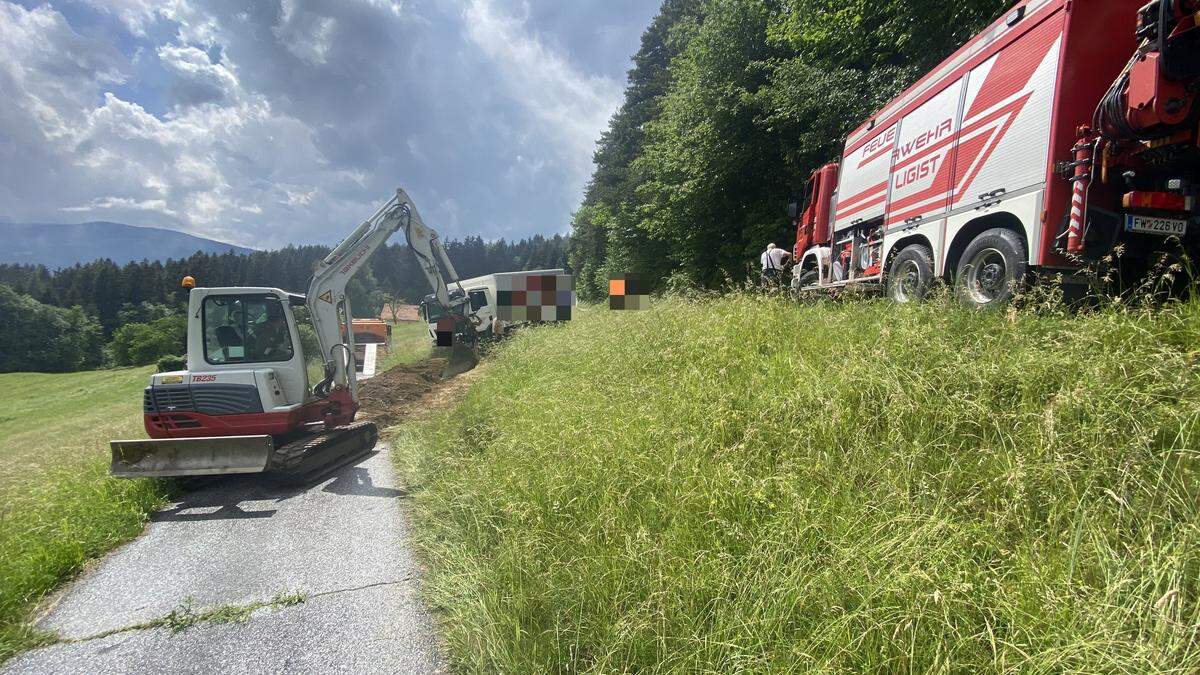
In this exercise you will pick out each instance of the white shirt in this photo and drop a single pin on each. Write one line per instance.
(773, 259)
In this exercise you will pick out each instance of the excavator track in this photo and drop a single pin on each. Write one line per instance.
(306, 457)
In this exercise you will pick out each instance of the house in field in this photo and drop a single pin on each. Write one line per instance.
(399, 313)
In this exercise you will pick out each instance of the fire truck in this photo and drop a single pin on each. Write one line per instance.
(1065, 130)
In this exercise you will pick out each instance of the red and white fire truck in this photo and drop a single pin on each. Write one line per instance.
(1066, 128)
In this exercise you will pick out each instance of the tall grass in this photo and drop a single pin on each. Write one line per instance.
(749, 485)
(58, 507)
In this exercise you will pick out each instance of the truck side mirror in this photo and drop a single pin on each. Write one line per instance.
(793, 210)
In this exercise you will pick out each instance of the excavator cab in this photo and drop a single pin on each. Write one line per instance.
(244, 398)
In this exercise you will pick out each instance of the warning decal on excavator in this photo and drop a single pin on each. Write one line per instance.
(327, 296)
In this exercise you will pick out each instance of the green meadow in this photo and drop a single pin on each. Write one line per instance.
(749, 484)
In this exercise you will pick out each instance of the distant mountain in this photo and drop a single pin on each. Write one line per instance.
(58, 246)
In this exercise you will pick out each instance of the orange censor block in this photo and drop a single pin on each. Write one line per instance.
(628, 291)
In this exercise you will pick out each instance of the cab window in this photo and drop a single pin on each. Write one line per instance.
(809, 193)
(478, 299)
(245, 329)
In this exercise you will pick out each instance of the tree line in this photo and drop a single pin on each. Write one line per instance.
(101, 313)
(729, 107)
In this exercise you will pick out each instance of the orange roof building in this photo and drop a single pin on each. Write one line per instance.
(403, 313)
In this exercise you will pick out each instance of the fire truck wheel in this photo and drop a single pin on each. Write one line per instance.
(911, 274)
(992, 269)
(810, 277)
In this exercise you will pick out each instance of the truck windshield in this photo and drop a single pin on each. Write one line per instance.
(245, 329)
(809, 189)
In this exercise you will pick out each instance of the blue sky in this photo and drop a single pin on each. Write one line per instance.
(284, 121)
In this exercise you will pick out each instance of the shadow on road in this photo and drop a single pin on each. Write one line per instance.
(242, 497)
(357, 481)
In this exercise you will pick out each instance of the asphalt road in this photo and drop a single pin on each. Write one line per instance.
(342, 542)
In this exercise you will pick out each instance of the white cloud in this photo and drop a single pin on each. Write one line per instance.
(572, 106)
(306, 34)
(197, 79)
(220, 156)
(104, 203)
(135, 14)
(263, 123)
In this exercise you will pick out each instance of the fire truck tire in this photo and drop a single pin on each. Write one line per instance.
(992, 269)
(808, 278)
(910, 275)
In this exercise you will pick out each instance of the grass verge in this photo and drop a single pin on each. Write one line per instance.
(58, 506)
(747, 484)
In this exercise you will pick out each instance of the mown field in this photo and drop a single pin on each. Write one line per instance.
(746, 484)
(58, 507)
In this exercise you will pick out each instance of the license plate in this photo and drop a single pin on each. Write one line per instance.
(1152, 225)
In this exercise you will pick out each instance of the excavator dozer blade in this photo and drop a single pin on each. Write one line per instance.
(191, 456)
(462, 359)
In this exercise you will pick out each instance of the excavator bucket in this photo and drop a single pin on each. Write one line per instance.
(191, 456)
(462, 359)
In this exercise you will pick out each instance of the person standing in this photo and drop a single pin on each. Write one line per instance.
(773, 261)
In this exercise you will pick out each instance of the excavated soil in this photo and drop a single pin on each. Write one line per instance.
(409, 391)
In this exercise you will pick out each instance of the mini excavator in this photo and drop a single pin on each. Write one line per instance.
(245, 403)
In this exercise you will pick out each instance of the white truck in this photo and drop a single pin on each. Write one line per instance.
(496, 303)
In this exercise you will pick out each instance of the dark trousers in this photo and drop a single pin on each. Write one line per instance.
(770, 277)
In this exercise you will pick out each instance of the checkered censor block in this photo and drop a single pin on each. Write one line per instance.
(547, 297)
(627, 291)
(445, 333)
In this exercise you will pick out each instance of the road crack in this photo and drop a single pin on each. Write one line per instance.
(364, 587)
(186, 615)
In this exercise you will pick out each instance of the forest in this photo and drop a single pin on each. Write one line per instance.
(729, 107)
(99, 314)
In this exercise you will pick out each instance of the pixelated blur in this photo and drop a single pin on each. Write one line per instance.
(445, 333)
(627, 291)
(535, 298)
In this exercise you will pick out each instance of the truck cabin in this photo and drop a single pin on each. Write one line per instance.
(811, 214)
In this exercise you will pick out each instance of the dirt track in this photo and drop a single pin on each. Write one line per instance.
(412, 391)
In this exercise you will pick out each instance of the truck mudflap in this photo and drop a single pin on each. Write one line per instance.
(191, 456)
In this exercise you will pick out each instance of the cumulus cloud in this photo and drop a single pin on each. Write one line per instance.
(306, 34)
(268, 123)
(571, 105)
(197, 79)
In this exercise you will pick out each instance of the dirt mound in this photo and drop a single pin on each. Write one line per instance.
(396, 394)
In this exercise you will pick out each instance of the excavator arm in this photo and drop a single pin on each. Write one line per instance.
(432, 259)
(327, 300)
